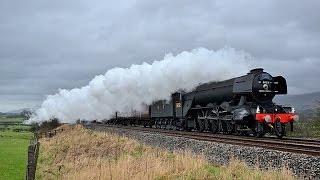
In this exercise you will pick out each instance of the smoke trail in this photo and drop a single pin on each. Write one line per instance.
(123, 89)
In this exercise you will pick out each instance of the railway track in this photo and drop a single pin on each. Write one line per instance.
(293, 145)
(297, 140)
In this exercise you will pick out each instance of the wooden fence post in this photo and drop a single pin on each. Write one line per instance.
(31, 162)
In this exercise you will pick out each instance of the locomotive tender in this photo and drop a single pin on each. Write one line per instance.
(241, 105)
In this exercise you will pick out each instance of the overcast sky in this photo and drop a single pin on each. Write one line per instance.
(47, 45)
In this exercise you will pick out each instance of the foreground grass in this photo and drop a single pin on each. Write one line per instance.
(82, 154)
(13, 154)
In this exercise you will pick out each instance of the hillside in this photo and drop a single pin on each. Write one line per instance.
(20, 113)
(301, 101)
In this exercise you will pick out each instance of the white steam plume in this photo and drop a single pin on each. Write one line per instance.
(126, 89)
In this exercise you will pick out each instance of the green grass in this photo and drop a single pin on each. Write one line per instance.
(309, 128)
(14, 127)
(13, 124)
(23, 127)
(11, 120)
(213, 170)
(13, 154)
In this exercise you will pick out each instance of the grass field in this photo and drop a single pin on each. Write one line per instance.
(11, 120)
(13, 124)
(13, 154)
(23, 127)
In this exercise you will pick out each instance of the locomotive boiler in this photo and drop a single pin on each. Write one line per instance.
(242, 105)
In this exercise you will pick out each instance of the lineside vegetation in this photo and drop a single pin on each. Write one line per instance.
(309, 128)
(306, 129)
(78, 153)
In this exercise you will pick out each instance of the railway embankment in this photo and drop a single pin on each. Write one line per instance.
(302, 165)
(80, 153)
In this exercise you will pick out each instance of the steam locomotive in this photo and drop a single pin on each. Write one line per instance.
(242, 105)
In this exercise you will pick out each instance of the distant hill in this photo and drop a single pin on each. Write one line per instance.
(301, 101)
(19, 111)
(23, 113)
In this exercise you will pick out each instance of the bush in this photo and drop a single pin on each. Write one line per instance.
(34, 127)
(45, 126)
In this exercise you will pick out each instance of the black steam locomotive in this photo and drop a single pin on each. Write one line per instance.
(241, 105)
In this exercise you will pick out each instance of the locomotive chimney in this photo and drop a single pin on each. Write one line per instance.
(256, 70)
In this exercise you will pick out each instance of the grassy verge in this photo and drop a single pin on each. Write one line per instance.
(82, 154)
(13, 154)
(309, 128)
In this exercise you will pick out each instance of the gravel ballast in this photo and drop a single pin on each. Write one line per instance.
(304, 166)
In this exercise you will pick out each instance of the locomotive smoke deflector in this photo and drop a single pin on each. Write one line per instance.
(281, 86)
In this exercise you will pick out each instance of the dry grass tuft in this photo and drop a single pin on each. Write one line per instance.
(78, 153)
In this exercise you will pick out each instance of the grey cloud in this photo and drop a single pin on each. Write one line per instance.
(46, 45)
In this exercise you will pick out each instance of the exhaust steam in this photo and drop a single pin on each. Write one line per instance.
(127, 89)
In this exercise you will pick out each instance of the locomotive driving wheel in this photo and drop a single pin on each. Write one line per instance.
(237, 129)
(157, 122)
(258, 129)
(169, 124)
(162, 124)
(213, 122)
(229, 127)
(165, 124)
(214, 126)
(201, 123)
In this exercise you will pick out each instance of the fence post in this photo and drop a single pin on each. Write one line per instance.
(31, 162)
(33, 153)
(32, 158)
